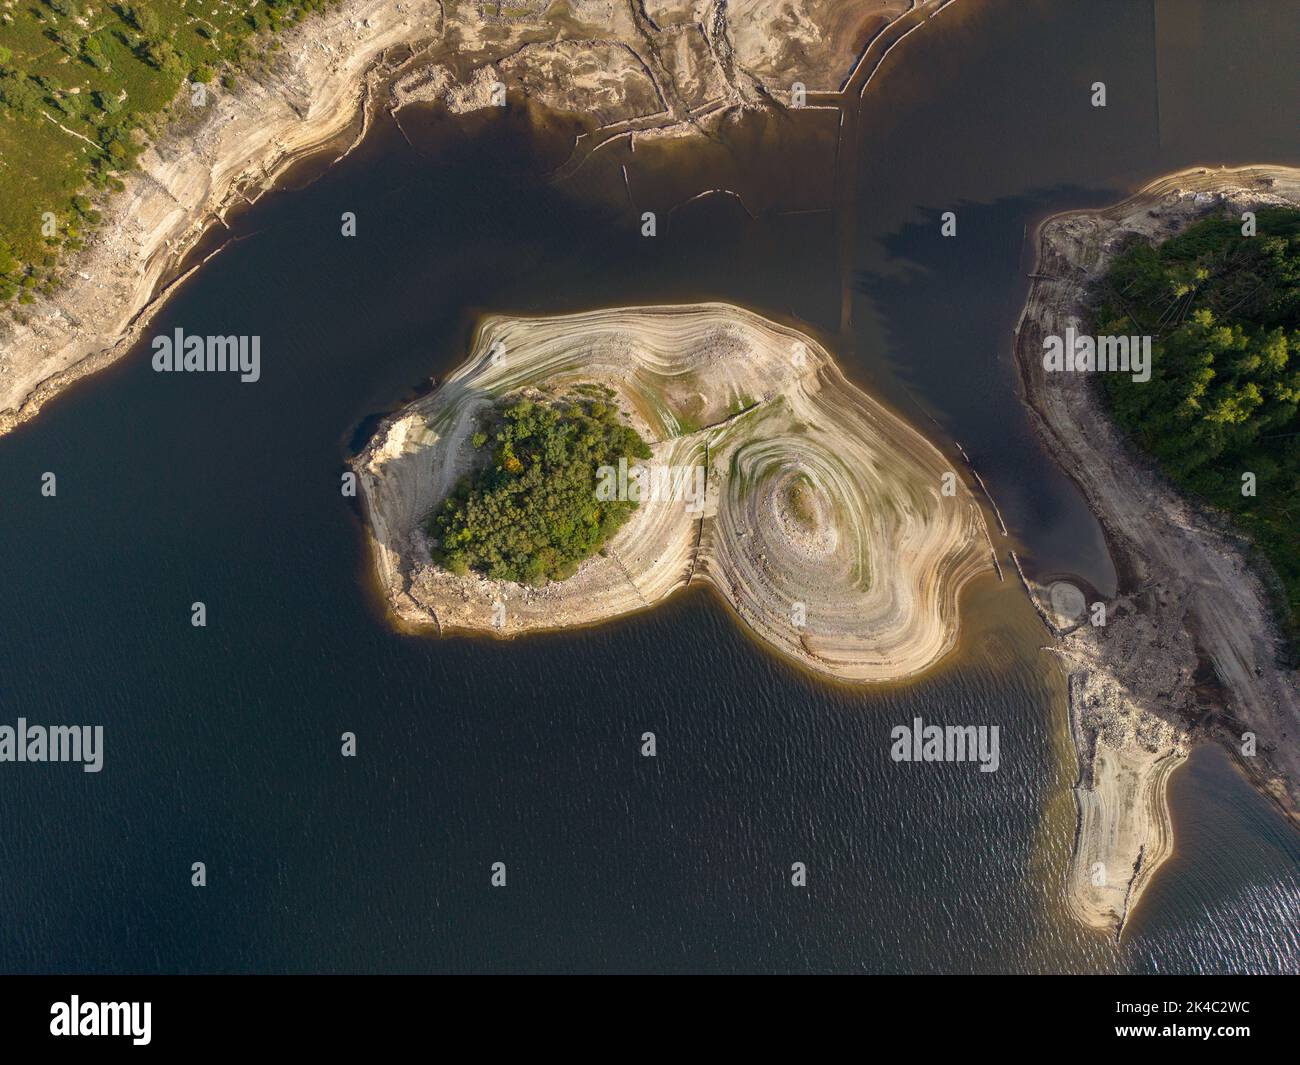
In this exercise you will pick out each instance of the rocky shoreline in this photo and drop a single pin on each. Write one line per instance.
(203, 165)
(634, 65)
(1190, 597)
(674, 67)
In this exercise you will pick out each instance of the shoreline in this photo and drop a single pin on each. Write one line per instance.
(184, 185)
(1189, 596)
(861, 584)
(331, 73)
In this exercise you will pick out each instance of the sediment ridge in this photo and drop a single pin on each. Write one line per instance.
(1191, 595)
(836, 532)
(670, 66)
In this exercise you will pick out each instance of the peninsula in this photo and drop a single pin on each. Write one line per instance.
(836, 532)
(1191, 650)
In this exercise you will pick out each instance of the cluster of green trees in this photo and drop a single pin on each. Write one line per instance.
(81, 86)
(1223, 311)
(531, 513)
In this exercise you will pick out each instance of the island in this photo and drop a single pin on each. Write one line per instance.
(1194, 648)
(835, 531)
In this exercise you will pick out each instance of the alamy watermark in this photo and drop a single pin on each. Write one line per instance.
(130, 1019)
(652, 484)
(1103, 354)
(919, 742)
(209, 354)
(53, 743)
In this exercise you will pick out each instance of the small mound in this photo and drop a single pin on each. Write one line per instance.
(805, 517)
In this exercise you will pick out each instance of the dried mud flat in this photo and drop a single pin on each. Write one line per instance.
(661, 67)
(823, 523)
(1191, 594)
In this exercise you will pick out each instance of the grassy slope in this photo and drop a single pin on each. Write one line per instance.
(104, 72)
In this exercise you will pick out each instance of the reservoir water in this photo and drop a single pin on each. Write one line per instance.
(222, 744)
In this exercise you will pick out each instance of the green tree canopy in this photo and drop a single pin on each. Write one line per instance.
(1223, 311)
(531, 514)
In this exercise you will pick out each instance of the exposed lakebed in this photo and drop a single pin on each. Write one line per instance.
(222, 744)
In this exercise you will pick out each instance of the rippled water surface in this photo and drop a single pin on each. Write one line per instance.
(222, 744)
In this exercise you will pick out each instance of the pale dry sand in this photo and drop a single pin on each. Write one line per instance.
(824, 522)
(668, 68)
(1191, 589)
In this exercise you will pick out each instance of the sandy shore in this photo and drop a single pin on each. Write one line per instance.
(669, 66)
(1191, 595)
(823, 520)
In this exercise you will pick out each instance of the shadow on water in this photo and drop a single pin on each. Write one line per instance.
(223, 743)
(942, 304)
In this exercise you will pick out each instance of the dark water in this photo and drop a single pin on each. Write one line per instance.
(222, 744)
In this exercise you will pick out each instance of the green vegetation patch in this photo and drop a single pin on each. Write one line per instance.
(81, 85)
(1223, 311)
(532, 514)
